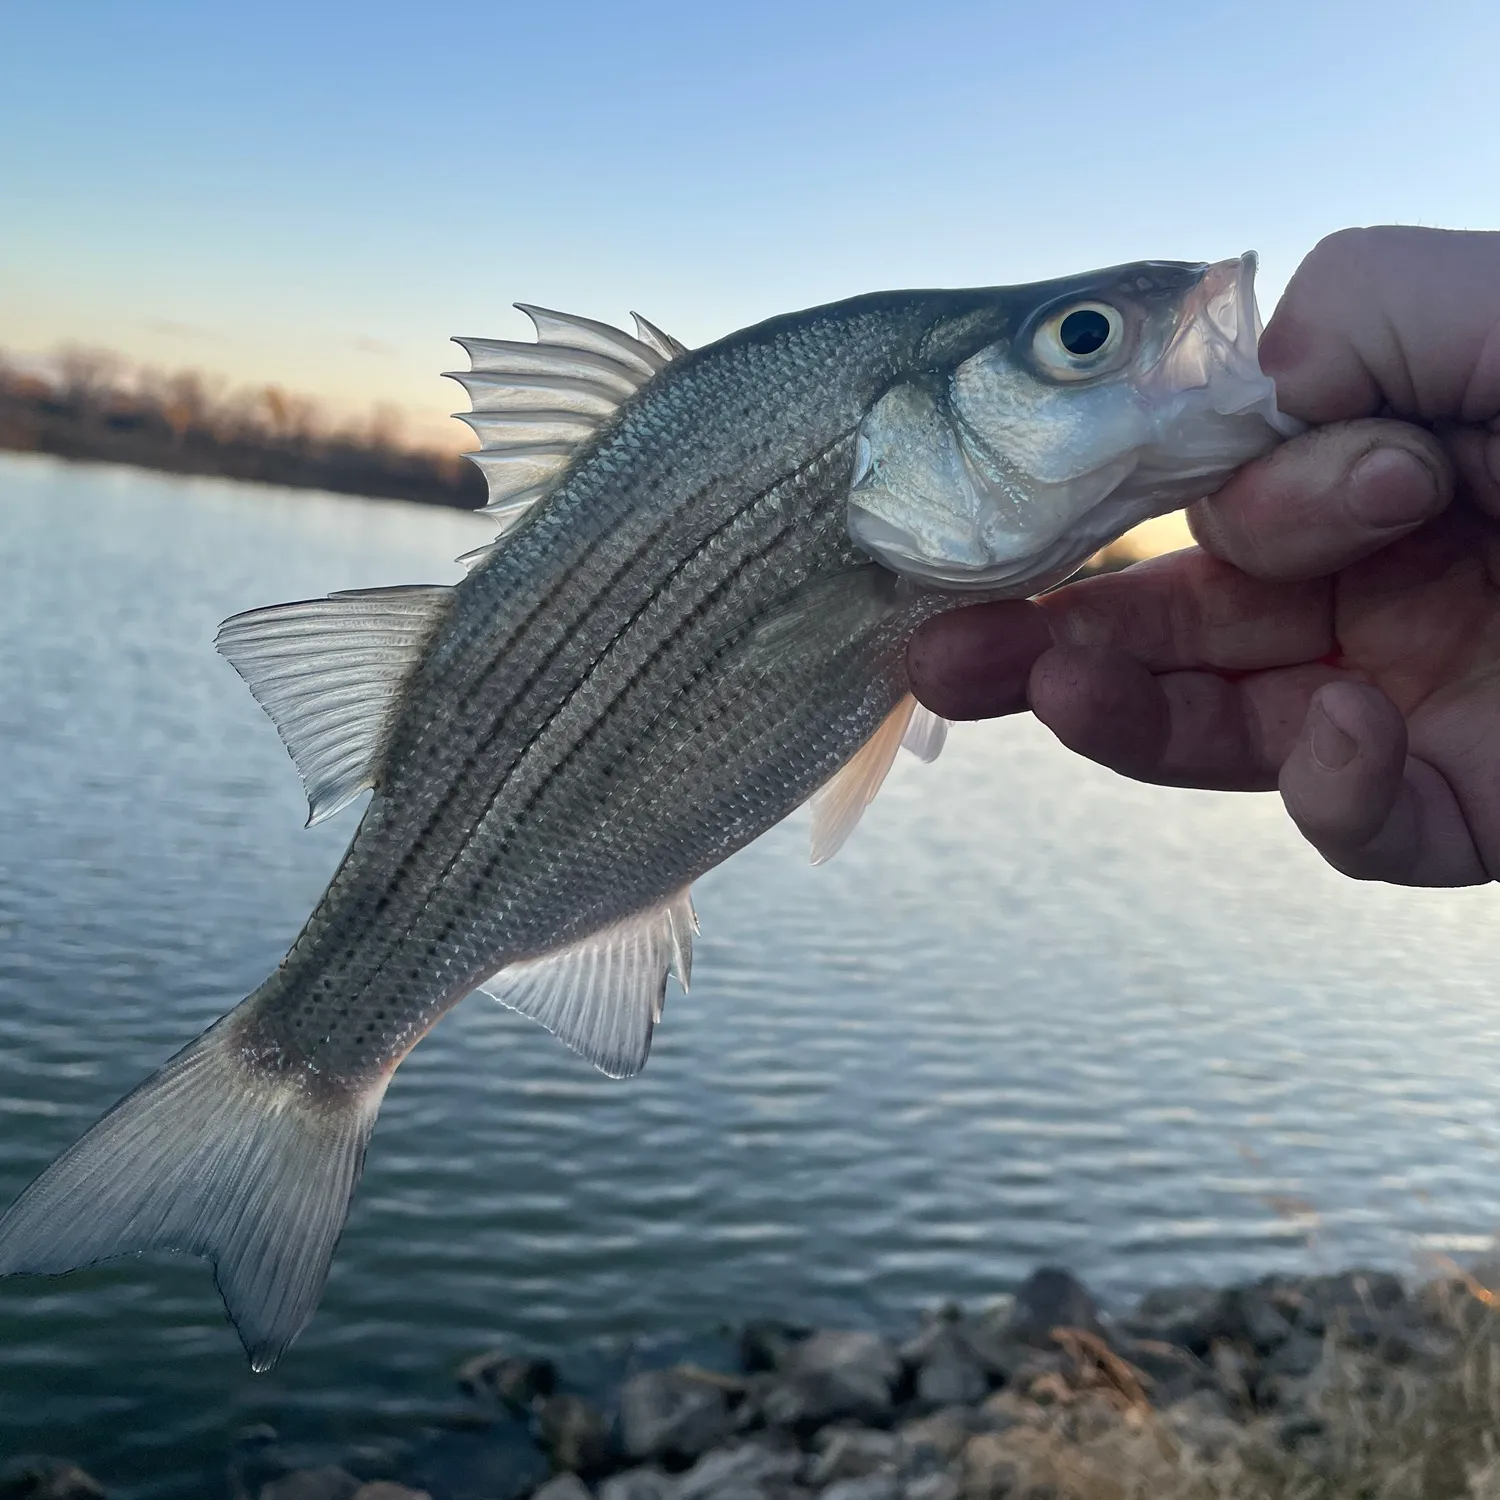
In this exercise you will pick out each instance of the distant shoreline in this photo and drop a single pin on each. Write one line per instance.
(177, 430)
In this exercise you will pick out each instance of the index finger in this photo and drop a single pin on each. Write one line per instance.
(1188, 611)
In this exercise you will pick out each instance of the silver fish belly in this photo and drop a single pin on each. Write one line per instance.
(679, 640)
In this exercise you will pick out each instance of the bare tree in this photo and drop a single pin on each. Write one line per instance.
(88, 377)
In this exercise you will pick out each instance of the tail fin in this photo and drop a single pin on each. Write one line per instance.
(209, 1155)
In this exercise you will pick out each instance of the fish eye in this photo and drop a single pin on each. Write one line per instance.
(1078, 340)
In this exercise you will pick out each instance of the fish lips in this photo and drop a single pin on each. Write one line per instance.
(1212, 361)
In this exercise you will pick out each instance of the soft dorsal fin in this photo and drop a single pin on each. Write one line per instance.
(535, 405)
(330, 673)
(603, 995)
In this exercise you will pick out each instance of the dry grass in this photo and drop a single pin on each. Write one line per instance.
(1370, 1431)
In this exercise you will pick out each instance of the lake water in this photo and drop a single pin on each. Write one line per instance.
(1031, 1012)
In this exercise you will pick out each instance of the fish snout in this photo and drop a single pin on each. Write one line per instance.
(1213, 358)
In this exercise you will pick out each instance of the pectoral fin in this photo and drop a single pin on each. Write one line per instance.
(839, 804)
(926, 734)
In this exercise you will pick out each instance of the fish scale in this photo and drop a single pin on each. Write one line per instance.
(344, 945)
(693, 621)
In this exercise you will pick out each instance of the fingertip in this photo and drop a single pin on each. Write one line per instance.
(1342, 779)
(1399, 486)
(1366, 717)
(1325, 499)
(973, 663)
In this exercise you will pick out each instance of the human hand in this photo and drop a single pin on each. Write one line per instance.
(1336, 632)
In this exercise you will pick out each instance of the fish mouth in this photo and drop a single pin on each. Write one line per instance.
(1213, 359)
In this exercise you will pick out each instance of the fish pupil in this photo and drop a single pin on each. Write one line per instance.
(1084, 332)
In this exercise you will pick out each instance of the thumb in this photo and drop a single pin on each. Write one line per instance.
(1368, 808)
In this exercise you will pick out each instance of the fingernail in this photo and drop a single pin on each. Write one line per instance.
(1392, 488)
(1331, 747)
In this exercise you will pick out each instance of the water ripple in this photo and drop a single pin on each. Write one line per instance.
(1031, 1012)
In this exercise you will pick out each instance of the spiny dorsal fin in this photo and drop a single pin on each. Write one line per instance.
(535, 405)
(664, 344)
(330, 673)
(603, 995)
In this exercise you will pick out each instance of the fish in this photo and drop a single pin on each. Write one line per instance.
(692, 621)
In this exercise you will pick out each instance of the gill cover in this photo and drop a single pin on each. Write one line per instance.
(1118, 397)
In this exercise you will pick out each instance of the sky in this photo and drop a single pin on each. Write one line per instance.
(320, 194)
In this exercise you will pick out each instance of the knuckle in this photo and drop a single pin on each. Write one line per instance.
(1348, 253)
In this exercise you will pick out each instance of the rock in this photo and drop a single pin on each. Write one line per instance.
(385, 1489)
(575, 1434)
(667, 1413)
(1259, 1317)
(1353, 1301)
(936, 1322)
(1002, 1410)
(1301, 1432)
(1283, 1382)
(1299, 1355)
(47, 1479)
(1042, 1372)
(517, 1381)
(950, 1372)
(942, 1434)
(745, 1467)
(1181, 1315)
(805, 1402)
(500, 1463)
(937, 1486)
(881, 1486)
(564, 1487)
(1051, 1298)
(831, 1351)
(1202, 1424)
(1249, 1315)
(1173, 1373)
(989, 1342)
(765, 1343)
(327, 1482)
(832, 1375)
(990, 1471)
(851, 1453)
(254, 1460)
(637, 1484)
(1233, 1370)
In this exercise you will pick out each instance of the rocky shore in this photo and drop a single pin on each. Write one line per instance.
(1308, 1387)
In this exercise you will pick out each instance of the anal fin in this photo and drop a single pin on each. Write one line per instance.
(603, 995)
